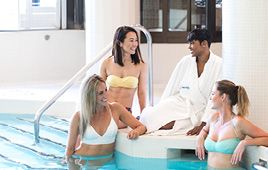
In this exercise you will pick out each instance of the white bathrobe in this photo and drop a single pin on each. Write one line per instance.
(185, 98)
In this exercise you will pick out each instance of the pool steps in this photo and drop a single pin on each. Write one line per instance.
(52, 145)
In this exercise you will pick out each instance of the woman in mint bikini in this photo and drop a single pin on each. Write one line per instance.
(224, 134)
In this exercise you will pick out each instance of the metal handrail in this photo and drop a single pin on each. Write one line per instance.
(83, 70)
(150, 63)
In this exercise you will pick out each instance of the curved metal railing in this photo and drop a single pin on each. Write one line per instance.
(83, 70)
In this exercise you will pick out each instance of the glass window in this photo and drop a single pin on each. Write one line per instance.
(152, 15)
(41, 14)
(169, 21)
(218, 15)
(178, 12)
(30, 14)
(9, 15)
(35, 2)
(198, 14)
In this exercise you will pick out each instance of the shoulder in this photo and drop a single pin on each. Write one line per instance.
(184, 61)
(214, 117)
(104, 69)
(143, 66)
(187, 58)
(215, 57)
(115, 106)
(108, 60)
(75, 117)
(240, 121)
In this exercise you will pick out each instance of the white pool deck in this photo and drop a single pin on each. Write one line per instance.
(25, 98)
(147, 146)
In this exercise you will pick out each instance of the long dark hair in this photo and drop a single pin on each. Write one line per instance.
(119, 37)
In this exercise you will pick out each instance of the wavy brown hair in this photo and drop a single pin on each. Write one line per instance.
(237, 95)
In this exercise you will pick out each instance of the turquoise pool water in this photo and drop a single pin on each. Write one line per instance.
(18, 151)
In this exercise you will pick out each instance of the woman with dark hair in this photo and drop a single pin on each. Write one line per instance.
(125, 71)
(183, 107)
(95, 125)
(224, 136)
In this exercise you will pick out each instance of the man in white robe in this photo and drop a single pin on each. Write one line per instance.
(184, 105)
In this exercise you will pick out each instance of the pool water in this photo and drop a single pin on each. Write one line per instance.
(19, 152)
(134, 163)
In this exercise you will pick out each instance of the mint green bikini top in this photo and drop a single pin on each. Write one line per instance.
(226, 146)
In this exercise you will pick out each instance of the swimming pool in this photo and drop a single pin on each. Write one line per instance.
(18, 150)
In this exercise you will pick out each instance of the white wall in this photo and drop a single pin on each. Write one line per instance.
(245, 52)
(27, 57)
(103, 18)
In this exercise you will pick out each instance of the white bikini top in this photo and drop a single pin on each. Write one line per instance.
(91, 137)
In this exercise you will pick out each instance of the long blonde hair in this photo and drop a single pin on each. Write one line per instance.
(88, 101)
(237, 95)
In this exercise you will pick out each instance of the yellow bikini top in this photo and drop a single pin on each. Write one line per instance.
(126, 82)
